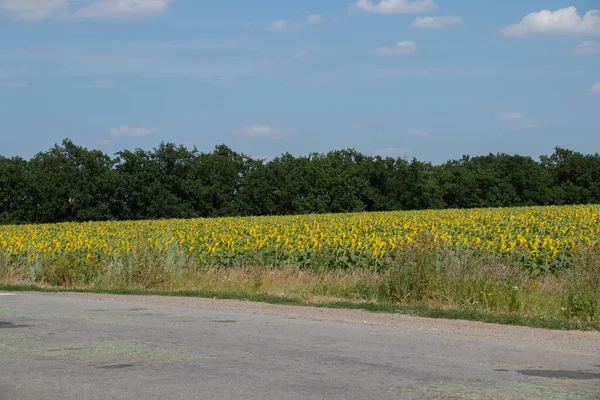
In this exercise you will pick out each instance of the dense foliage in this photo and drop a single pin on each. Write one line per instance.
(70, 183)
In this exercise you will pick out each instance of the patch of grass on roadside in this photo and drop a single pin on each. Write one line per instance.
(425, 280)
(418, 310)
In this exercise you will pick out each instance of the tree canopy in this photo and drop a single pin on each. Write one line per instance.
(71, 183)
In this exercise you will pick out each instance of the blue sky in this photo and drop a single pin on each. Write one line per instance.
(431, 79)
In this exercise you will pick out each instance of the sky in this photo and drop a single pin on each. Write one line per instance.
(431, 79)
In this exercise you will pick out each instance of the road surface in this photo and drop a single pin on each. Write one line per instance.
(79, 346)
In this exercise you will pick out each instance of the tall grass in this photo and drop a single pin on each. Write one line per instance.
(423, 274)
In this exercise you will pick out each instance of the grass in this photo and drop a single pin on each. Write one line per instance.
(418, 310)
(429, 282)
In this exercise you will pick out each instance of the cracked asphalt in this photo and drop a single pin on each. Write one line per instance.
(90, 346)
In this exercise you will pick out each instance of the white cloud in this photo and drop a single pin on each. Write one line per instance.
(392, 152)
(8, 73)
(436, 22)
(300, 54)
(261, 132)
(454, 73)
(97, 85)
(246, 27)
(108, 59)
(126, 130)
(524, 126)
(386, 135)
(12, 85)
(411, 132)
(314, 19)
(404, 47)
(564, 21)
(31, 10)
(595, 89)
(122, 9)
(101, 65)
(278, 25)
(418, 132)
(588, 48)
(42, 9)
(396, 6)
(510, 116)
(283, 25)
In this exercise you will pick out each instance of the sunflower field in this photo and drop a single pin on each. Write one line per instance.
(545, 238)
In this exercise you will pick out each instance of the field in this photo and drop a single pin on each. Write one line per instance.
(538, 261)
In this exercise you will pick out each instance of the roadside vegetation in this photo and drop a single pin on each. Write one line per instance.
(535, 266)
(500, 237)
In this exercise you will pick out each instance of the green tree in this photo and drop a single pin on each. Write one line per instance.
(71, 183)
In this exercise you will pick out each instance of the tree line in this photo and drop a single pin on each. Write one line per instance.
(71, 183)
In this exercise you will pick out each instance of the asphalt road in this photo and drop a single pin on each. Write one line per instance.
(113, 347)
